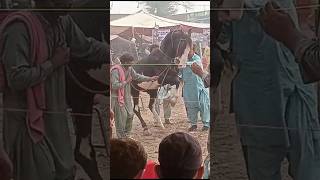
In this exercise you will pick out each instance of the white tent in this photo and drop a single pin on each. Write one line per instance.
(143, 19)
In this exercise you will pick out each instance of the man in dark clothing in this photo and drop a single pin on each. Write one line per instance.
(5, 166)
(49, 157)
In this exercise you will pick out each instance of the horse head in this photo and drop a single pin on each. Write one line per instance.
(176, 46)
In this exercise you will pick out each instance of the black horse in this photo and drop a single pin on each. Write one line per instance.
(163, 63)
(81, 87)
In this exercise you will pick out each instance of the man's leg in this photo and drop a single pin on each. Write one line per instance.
(264, 163)
(157, 106)
(192, 114)
(245, 155)
(120, 116)
(30, 161)
(128, 127)
(167, 111)
(205, 110)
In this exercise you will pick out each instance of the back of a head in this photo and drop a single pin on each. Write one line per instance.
(153, 47)
(128, 158)
(180, 156)
(126, 58)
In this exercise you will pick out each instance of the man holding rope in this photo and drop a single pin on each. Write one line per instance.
(121, 102)
(35, 47)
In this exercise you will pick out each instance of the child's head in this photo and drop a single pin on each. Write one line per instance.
(128, 159)
(180, 156)
(126, 59)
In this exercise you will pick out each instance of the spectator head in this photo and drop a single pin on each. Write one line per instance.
(153, 47)
(127, 59)
(128, 159)
(180, 156)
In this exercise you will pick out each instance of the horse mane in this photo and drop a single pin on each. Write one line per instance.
(170, 43)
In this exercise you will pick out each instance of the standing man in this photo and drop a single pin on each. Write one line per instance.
(195, 95)
(36, 46)
(121, 102)
(276, 113)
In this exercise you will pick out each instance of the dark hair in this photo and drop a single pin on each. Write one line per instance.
(126, 58)
(180, 156)
(153, 46)
(169, 173)
(128, 157)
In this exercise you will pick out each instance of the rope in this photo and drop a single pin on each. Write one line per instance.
(48, 112)
(83, 87)
(238, 125)
(108, 9)
(151, 64)
(258, 8)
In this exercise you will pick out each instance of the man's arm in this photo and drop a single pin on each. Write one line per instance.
(115, 80)
(279, 25)
(82, 47)
(139, 77)
(197, 69)
(20, 73)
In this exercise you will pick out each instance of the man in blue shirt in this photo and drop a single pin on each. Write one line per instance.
(195, 95)
(276, 113)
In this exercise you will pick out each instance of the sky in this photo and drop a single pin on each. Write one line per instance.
(130, 7)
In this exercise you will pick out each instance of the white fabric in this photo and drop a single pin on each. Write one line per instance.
(146, 20)
(167, 92)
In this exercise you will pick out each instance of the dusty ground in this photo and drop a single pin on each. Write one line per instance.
(228, 162)
(179, 117)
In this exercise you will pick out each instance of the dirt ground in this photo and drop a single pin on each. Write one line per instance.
(180, 124)
(228, 162)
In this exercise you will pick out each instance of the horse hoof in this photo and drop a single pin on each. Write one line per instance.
(167, 121)
(146, 132)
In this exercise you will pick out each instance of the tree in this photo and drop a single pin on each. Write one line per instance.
(164, 8)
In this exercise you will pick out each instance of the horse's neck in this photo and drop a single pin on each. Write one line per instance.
(168, 51)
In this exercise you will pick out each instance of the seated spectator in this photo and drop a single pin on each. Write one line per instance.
(153, 47)
(128, 159)
(149, 172)
(6, 167)
(180, 156)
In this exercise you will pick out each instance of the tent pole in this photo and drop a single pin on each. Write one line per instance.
(132, 32)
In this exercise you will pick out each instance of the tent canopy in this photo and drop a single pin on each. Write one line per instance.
(143, 19)
(120, 46)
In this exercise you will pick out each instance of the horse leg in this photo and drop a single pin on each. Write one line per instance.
(136, 110)
(84, 151)
(152, 107)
